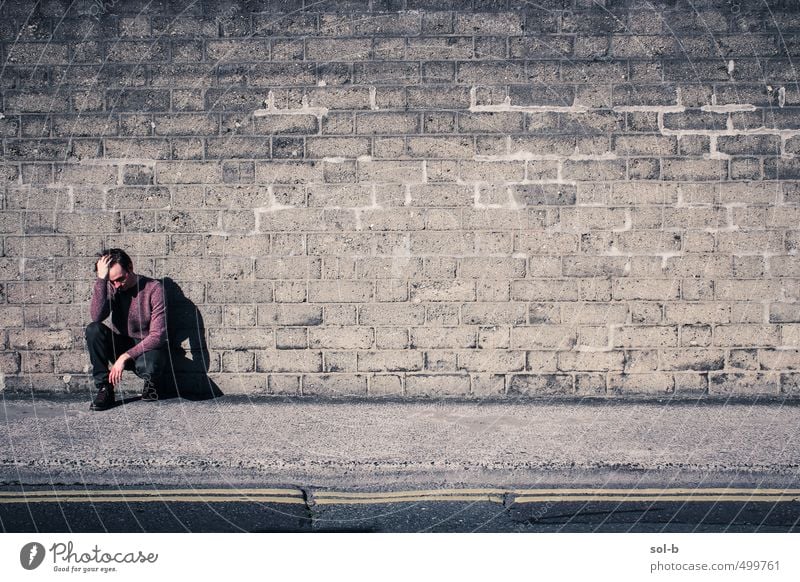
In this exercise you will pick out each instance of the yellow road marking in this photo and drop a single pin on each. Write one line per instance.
(295, 496)
(407, 499)
(198, 491)
(634, 498)
(360, 494)
(187, 499)
(363, 494)
(676, 490)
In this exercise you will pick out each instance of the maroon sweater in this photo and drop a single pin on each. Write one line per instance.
(138, 313)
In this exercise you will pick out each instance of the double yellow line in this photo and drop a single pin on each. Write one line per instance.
(291, 496)
(296, 497)
(709, 494)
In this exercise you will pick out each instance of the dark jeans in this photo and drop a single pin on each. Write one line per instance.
(105, 347)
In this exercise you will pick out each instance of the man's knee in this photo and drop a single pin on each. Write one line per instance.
(152, 364)
(95, 330)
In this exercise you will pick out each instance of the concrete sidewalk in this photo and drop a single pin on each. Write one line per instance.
(374, 445)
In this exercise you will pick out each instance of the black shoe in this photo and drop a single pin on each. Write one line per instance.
(149, 391)
(104, 399)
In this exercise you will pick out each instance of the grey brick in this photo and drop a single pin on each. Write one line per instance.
(540, 384)
(641, 384)
(288, 361)
(334, 385)
(437, 384)
(644, 95)
(743, 383)
(752, 144)
(322, 49)
(428, 247)
(438, 97)
(697, 170)
(541, 46)
(504, 73)
(390, 360)
(639, 144)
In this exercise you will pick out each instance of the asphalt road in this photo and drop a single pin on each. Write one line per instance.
(398, 445)
(177, 465)
(61, 509)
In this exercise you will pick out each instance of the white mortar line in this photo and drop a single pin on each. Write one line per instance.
(784, 133)
(373, 95)
(149, 162)
(507, 107)
(649, 109)
(528, 156)
(220, 231)
(731, 108)
(667, 255)
(593, 349)
(628, 223)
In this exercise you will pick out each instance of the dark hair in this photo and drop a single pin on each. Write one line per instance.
(118, 256)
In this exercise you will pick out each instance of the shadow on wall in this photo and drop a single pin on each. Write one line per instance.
(189, 368)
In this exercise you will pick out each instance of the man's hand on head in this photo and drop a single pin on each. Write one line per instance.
(102, 267)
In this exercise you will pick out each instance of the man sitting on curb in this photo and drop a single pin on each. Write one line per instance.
(137, 338)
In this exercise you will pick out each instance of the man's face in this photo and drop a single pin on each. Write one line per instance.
(120, 278)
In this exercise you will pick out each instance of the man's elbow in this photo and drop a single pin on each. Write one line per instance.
(161, 339)
(98, 317)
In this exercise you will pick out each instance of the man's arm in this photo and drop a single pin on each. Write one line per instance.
(157, 336)
(99, 307)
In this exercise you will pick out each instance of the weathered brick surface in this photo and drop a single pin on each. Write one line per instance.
(468, 199)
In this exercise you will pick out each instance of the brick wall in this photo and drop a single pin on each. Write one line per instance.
(412, 197)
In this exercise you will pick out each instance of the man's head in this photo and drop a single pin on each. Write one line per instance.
(120, 269)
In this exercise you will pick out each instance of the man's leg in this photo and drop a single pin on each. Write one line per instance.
(98, 342)
(104, 346)
(152, 366)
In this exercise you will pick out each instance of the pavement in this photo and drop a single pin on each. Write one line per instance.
(235, 441)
